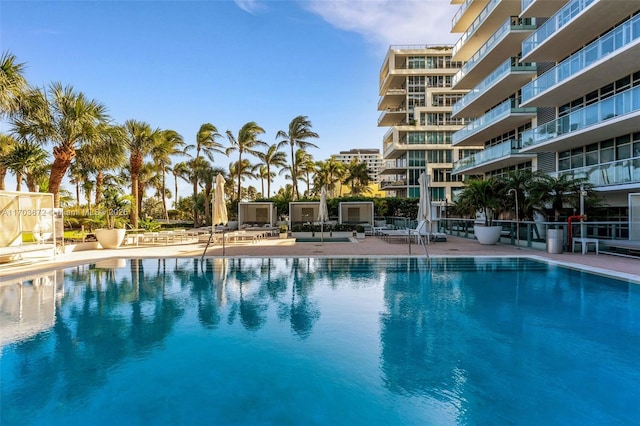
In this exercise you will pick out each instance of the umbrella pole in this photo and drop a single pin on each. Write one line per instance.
(322, 232)
(223, 242)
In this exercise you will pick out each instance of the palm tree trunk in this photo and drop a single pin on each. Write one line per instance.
(164, 198)
(3, 173)
(268, 181)
(207, 201)
(239, 171)
(195, 199)
(99, 185)
(175, 194)
(32, 184)
(18, 181)
(63, 156)
(294, 178)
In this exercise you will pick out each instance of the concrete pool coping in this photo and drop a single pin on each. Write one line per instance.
(615, 266)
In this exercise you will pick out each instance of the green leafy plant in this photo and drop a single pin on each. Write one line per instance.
(149, 225)
(115, 207)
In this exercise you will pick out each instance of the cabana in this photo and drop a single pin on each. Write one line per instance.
(301, 212)
(27, 225)
(356, 212)
(256, 214)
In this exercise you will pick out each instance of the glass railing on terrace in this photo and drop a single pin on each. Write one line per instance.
(400, 163)
(621, 104)
(504, 109)
(512, 23)
(475, 24)
(606, 45)
(488, 154)
(463, 7)
(525, 4)
(553, 24)
(606, 174)
(511, 64)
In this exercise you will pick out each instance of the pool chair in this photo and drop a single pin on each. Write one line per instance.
(423, 234)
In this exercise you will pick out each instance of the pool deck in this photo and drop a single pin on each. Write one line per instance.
(617, 266)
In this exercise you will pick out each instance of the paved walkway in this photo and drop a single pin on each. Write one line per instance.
(623, 267)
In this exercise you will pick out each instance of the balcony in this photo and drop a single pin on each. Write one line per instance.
(608, 58)
(617, 115)
(506, 116)
(392, 185)
(393, 117)
(392, 97)
(499, 156)
(621, 172)
(573, 26)
(505, 42)
(486, 23)
(393, 167)
(506, 80)
(541, 8)
(465, 14)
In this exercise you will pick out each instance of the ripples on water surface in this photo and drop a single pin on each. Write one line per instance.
(320, 341)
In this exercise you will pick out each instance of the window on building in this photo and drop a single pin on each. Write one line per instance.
(416, 62)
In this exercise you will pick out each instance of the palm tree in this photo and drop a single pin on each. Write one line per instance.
(103, 154)
(207, 144)
(67, 119)
(482, 195)
(24, 161)
(357, 176)
(139, 141)
(520, 181)
(243, 170)
(12, 84)
(299, 132)
(272, 157)
(329, 173)
(167, 144)
(7, 144)
(558, 192)
(182, 171)
(246, 142)
(306, 166)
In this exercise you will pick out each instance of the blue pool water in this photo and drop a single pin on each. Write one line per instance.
(320, 342)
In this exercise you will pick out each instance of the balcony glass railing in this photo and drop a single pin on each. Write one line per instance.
(508, 66)
(511, 24)
(614, 173)
(507, 107)
(400, 163)
(463, 7)
(525, 4)
(486, 11)
(621, 104)
(399, 110)
(606, 45)
(553, 24)
(488, 154)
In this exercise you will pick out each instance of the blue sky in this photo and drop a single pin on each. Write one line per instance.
(178, 64)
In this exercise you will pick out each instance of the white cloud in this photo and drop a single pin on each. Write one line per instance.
(251, 6)
(387, 22)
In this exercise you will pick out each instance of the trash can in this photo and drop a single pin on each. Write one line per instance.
(555, 241)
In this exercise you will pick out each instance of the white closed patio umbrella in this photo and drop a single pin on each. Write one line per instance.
(219, 213)
(424, 203)
(323, 212)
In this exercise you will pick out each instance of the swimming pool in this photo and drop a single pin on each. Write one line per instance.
(320, 341)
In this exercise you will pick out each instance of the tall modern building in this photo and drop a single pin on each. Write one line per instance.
(416, 99)
(371, 157)
(554, 86)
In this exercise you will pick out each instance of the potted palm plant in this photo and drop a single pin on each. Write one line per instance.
(484, 197)
(115, 206)
(284, 231)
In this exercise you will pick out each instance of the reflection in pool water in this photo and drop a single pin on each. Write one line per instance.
(326, 341)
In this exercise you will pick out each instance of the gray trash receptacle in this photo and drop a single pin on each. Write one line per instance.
(555, 240)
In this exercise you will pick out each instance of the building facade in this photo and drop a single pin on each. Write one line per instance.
(416, 100)
(554, 86)
(371, 157)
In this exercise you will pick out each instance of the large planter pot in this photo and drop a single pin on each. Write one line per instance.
(487, 234)
(110, 238)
